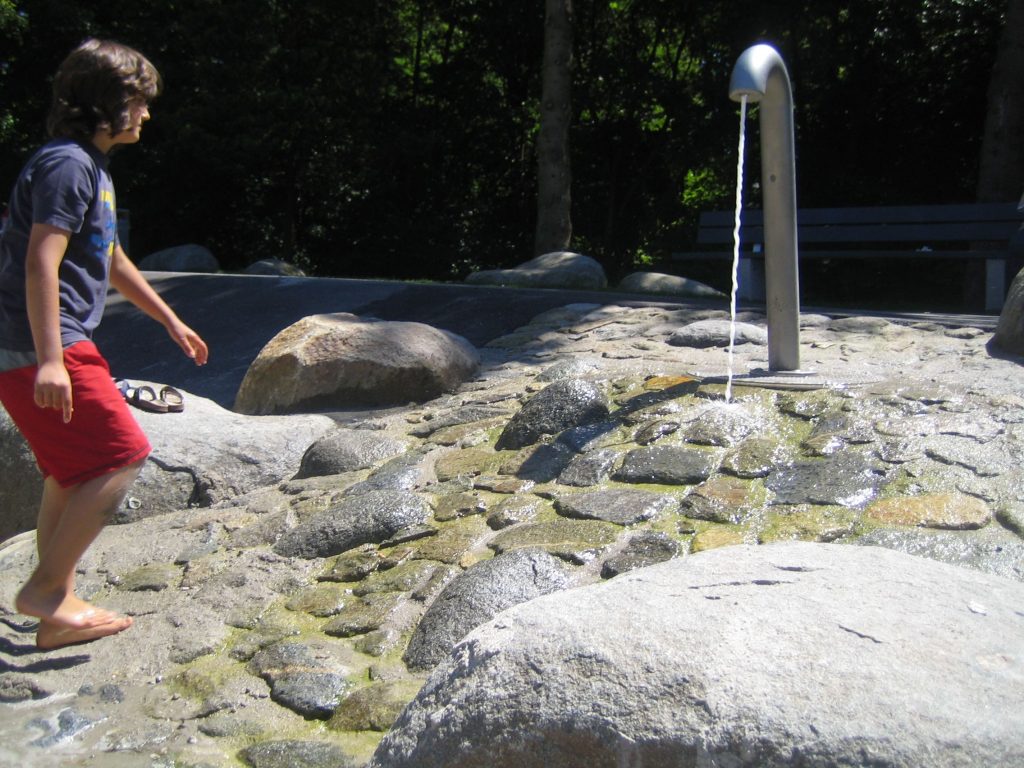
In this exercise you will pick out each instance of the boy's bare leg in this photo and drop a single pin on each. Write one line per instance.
(69, 521)
(50, 636)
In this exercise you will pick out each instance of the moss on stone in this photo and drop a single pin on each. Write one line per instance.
(808, 522)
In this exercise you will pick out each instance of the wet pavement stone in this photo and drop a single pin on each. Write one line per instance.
(559, 406)
(1000, 557)
(574, 540)
(723, 499)
(589, 469)
(620, 506)
(848, 478)
(477, 595)
(755, 457)
(666, 465)
(949, 510)
(302, 678)
(369, 517)
(296, 754)
(643, 548)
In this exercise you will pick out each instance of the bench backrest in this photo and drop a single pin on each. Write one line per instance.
(916, 224)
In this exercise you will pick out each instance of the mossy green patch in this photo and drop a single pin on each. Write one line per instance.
(375, 707)
(321, 600)
(716, 536)
(808, 522)
(154, 578)
(452, 540)
(467, 462)
(575, 540)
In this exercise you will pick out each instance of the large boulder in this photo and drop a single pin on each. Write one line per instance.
(201, 456)
(181, 258)
(335, 361)
(560, 269)
(778, 655)
(21, 484)
(274, 267)
(1009, 336)
(207, 454)
(715, 333)
(673, 285)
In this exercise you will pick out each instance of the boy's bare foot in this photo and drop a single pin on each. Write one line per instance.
(50, 637)
(62, 609)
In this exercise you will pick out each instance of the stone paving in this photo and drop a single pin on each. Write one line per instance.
(289, 625)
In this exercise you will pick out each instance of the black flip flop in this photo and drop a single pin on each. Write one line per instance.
(144, 398)
(173, 399)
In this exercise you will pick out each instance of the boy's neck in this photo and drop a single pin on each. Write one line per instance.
(102, 140)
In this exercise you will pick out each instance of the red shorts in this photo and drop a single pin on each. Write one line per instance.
(102, 435)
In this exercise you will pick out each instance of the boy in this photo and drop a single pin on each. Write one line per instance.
(58, 254)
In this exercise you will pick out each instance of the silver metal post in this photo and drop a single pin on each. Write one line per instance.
(760, 75)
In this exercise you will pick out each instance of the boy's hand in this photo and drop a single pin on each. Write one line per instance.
(53, 389)
(189, 341)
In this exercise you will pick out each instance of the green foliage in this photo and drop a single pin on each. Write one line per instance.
(397, 139)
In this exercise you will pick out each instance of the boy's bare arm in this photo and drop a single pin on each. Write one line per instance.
(46, 247)
(127, 279)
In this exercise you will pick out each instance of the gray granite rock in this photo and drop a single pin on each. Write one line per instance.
(715, 333)
(557, 407)
(368, 517)
(292, 753)
(622, 506)
(848, 478)
(559, 269)
(644, 548)
(347, 450)
(654, 282)
(666, 464)
(477, 595)
(1009, 335)
(748, 656)
(331, 362)
(181, 258)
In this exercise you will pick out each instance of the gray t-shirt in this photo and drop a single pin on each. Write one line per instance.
(65, 184)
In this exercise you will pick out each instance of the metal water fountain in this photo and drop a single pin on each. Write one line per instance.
(760, 76)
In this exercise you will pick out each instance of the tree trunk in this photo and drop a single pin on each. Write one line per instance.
(1001, 170)
(554, 177)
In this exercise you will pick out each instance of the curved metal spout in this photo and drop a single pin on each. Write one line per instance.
(761, 76)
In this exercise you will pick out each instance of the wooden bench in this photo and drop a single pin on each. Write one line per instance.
(975, 232)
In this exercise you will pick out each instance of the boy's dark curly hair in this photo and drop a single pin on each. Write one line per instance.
(95, 87)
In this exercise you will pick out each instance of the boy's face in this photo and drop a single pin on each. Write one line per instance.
(138, 114)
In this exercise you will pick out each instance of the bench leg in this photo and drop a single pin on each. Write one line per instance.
(995, 284)
(751, 277)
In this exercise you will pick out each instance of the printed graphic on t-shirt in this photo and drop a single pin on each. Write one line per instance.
(103, 241)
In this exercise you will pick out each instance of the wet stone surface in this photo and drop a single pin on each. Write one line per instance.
(619, 506)
(277, 627)
(643, 549)
(666, 464)
(589, 469)
(296, 754)
(849, 478)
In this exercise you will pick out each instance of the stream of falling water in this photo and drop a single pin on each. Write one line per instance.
(736, 243)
